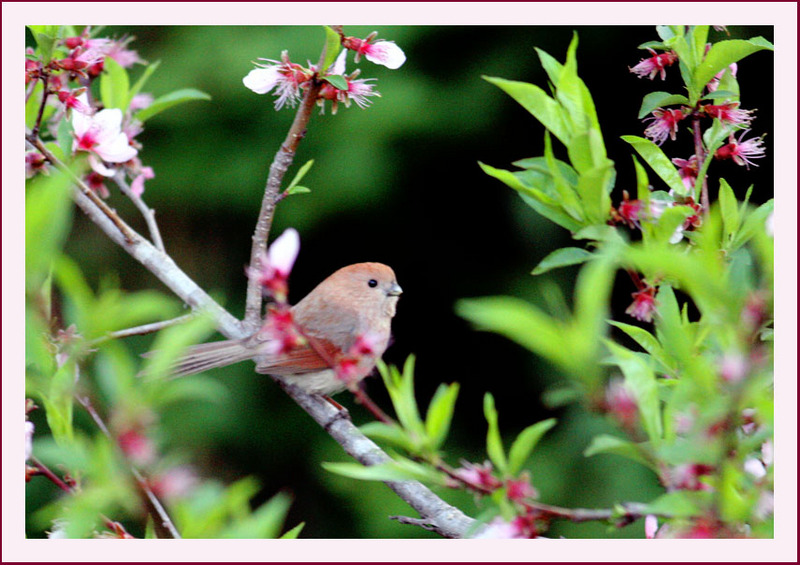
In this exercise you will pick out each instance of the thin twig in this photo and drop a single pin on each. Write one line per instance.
(161, 520)
(125, 230)
(148, 213)
(700, 153)
(141, 330)
(45, 94)
(55, 479)
(280, 164)
(413, 522)
(45, 471)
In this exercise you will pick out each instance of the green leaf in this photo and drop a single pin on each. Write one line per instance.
(658, 161)
(48, 216)
(521, 322)
(139, 84)
(753, 223)
(336, 81)
(640, 380)
(393, 434)
(642, 182)
(294, 533)
(538, 103)
(440, 414)
(494, 443)
(669, 221)
(525, 443)
(561, 258)
(724, 53)
(265, 522)
(169, 100)
(114, 85)
(293, 187)
(32, 105)
(611, 444)
(729, 208)
(45, 36)
(564, 189)
(399, 470)
(659, 100)
(333, 44)
(544, 204)
(680, 504)
(594, 188)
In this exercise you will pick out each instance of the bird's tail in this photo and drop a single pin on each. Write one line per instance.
(205, 356)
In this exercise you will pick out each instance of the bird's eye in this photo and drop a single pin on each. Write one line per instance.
(372, 283)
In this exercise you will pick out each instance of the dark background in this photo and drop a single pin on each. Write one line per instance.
(397, 183)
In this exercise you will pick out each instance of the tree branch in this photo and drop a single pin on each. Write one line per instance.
(280, 164)
(162, 523)
(444, 519)
(148, 213)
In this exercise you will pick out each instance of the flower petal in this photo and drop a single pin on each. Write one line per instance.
(386, 53)
(261, 80)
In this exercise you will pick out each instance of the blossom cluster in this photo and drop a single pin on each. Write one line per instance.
(288, 80)
(105, 135)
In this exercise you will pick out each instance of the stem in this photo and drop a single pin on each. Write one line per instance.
(141, 330)
(148, 213)
(700, 153)
(130, 235)
(280, 164)
(44, 470)
(161, 520)
(45, 94)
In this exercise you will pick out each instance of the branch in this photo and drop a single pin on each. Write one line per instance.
(124, 229)
(162, 523)
(148, 213)
(280, 164)
(444, 519)
(141, 330)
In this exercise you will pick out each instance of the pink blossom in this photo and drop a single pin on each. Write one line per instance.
(285, 77)
(175, 483)
(275, 265)
(650, 526)
(74, 101)
(733, 367)
(520, 489)
(118, 51)
(140, 101)
(687, 169)
(101, 136)
(654, 65)
(381, 52)
(630, 211)
(644, 304)
(137, 447)
(279, 331)
(96, 182)
(687, 476)
(478, 475)
(620, 403)
(664, 124)
(742, 151)
(729, 113)
(714, 83)
(29, 428)
(500, 529)
(137, 185)
(35, 163)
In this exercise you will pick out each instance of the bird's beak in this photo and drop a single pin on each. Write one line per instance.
(395, 290)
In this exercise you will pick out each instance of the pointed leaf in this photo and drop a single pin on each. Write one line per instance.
(169, 100)
(440, 414)
(114, 85)
(525, 443)
(658, 161)
(724, 53)
(659, 100)
(618, 446)
(494, 443)
(562, 258)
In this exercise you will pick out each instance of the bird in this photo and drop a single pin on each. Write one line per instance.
(347, 314)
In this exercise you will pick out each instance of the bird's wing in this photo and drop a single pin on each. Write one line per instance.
(314, 356)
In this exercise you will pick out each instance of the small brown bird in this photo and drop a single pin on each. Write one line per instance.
(354, 304)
